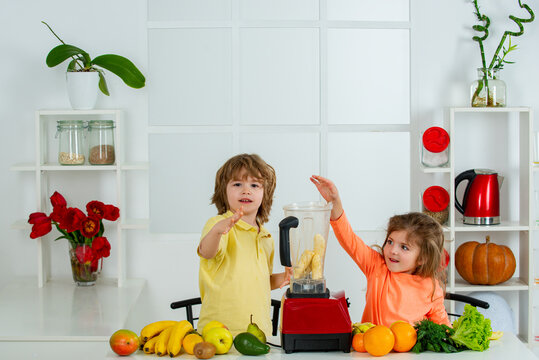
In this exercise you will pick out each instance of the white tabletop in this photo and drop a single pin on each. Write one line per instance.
(64, 322)
(507, 347)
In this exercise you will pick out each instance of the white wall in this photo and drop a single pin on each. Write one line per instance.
(443, 60)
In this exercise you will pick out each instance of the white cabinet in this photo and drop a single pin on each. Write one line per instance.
(498, 139)
(46, 165)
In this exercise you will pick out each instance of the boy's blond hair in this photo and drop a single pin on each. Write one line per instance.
(255, 167)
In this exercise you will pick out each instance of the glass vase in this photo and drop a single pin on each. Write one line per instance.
(488, 90)
(84, 266)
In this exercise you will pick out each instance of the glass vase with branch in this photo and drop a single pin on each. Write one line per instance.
(489, 90)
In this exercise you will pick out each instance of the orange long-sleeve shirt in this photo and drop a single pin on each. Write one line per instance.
(390, 296)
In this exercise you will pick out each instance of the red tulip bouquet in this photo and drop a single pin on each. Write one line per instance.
(83, 231)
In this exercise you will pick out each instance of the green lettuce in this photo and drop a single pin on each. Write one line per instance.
(472, 329)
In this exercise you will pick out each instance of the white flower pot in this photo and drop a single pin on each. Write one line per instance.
(82, 89)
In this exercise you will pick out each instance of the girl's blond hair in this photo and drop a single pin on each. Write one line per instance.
(425, 232)
(255, 167)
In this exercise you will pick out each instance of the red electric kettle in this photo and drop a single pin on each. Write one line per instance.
(481, 202)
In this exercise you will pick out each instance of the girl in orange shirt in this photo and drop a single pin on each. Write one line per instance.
(404, 279)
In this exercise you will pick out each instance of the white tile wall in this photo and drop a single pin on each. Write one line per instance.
(279, 76)
(368, 76)
(313, 87)
(190, 76)
(363, 10)
(279, 10)
(174, 10)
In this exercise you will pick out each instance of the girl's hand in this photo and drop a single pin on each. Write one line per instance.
(329, 192)
(227, 224)
(326, 188)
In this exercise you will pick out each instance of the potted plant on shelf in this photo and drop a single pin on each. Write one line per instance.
(488, 89)
(84, 232)
(84, 74)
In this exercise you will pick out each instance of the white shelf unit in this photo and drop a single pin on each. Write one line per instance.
(44, 164)
(522, 226)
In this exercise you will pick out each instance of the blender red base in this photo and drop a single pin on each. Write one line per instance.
(316, 324)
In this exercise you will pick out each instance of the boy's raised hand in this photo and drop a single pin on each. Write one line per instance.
(230, 222)
(209, 245)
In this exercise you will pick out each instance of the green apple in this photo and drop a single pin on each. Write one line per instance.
(221, 338)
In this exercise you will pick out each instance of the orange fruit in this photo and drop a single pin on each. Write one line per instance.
(189, 342)
(379, 340)
(357, 342)
(405, 336)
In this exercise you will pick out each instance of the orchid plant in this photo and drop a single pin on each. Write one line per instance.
(82, 62)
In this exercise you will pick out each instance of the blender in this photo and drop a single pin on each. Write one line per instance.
(312, 318)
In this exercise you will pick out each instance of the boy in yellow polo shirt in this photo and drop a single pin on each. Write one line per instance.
(236, 251)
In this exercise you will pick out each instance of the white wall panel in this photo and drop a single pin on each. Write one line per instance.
(279, 9)
(190, 77)
(368, 10)
(182, 168)
(279, 76)
(295, 157)
(368, 76)
(372, 172)
(174, 10)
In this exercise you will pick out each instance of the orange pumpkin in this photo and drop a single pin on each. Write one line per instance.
(484, 264)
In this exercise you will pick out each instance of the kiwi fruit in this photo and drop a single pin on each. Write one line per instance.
(204, 350)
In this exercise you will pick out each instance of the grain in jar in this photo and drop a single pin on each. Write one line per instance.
(70, 134)
(101, 142)
(436, 203)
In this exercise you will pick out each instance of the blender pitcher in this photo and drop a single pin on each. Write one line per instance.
(303, 235)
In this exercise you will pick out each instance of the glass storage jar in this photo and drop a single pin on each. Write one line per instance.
(436, 203)
(101, 142)
(71, 150)
(435, 149)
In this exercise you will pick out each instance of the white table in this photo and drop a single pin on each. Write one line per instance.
(65, 322)
(508, 347)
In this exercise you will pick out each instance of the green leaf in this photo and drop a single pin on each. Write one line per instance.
(103, 83)
(72, 64)
(123, 68)
(63, 52)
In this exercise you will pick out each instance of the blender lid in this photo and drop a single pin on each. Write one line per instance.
(309, 206)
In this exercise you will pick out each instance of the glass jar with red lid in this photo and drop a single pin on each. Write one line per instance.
(435, 149)
(436, 203)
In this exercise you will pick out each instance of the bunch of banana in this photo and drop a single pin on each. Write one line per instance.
(164, 337)
(311, 261)
(361, 327)
(153, 329)
(177, 334)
